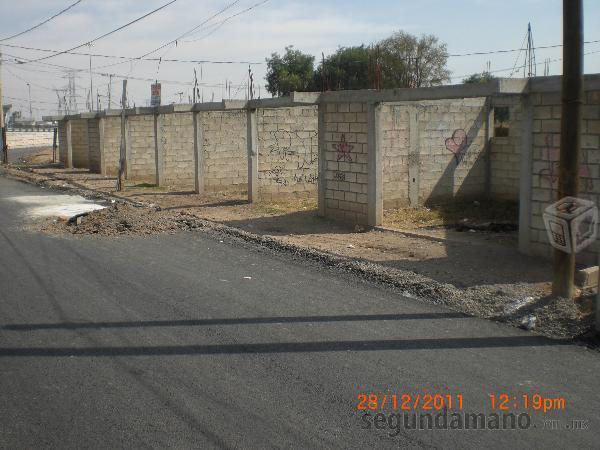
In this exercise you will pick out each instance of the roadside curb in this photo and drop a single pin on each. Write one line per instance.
(414, 234)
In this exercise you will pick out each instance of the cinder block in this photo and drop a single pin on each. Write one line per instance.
(586, 278)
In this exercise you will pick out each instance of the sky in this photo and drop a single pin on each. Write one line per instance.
(312, 26)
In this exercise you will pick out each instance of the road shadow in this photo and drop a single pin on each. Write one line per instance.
(288, 347)
(231, 321)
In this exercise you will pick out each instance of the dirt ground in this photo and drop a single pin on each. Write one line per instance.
(451, 246)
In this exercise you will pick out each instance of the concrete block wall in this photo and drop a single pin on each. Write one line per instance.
(62, 142)
(112, 146)
(288, 142)
(505, 151)
(79, 137)
(141, 148)
(94, 152)
(224, 150)
(177, 146)
(434, 150)
(395, 145)
(546, 113)
(29, 139)
(345, 146)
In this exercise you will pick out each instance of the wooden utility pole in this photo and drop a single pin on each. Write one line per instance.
(570, 138)
(121, 180)
(3, 145)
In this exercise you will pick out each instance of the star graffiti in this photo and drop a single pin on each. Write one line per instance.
(343, 150)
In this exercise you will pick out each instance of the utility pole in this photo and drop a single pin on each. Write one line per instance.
(91, 81)
(30, 109)
(195, 85)
(109, 89)
(570, 138)
(3, 145)
(121, 180)
(530, 63)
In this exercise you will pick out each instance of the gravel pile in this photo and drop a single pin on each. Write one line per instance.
(125, 219)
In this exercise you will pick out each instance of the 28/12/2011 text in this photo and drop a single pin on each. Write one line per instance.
(409, 402)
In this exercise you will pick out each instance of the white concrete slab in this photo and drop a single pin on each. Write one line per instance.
(61, 206)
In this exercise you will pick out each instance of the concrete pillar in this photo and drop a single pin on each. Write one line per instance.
(88, 123)
(101, 126)
(252, 144)
(414, 157)
(127, 148)
(375, 167)
(489, 132)
(69, 128)
(198, 154)
(158, 149)
(526, 155)
(322, 162)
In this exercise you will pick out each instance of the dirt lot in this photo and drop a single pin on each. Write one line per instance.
(422, 251)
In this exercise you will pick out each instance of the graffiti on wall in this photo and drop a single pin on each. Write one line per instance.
(308, 178)
(457, 144)
(277, 174)
(343, 150)
(283, 145)
(339, 176)
(549, 175)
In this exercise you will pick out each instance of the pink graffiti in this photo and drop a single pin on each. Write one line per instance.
(550, 174)
(343, 150)
(457, 143)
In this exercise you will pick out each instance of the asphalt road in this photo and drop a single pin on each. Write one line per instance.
(161, 342)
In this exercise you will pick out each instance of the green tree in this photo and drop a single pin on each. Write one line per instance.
(294, 71)
(347, 68)
(479, 78)
(411, 61)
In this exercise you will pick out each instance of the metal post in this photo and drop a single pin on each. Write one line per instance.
(30, 108)
(69, 130)
(3, 145)
(122, 157)
(375, 167)
(54, 141)
(198, 154)
(598, 304)
(570, 140)
(252, 144)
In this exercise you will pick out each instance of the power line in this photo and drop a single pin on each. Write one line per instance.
(116, 75)
(491, 52)
(189, 32)
(221, 23)
(547, 61)
(41, 23)
(109, 33)
(27, 81)
(27, 100)
(129, 58)
(174, 41)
